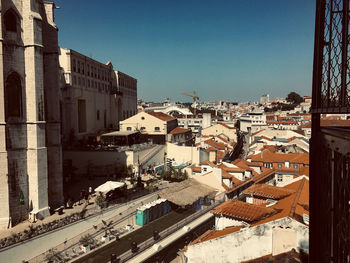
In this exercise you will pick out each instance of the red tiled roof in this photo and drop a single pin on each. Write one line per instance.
(243, 211)
(220, 155)
(230, 169)
(160, 115)
(196, 169)
(255, 133)
(267, 191)
(217, 145)
(329, 123)
(269, 157)
(242, 164)
(294, 205)
(211, 149)
(226, 126)
(207, 162)
(266, 172)
(223, 138)
(290, 256)
(304, 171)
(211, 234)
(179, 130)
(271, 148)
(289, 122)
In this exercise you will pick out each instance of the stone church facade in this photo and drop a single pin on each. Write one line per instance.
(30, 146)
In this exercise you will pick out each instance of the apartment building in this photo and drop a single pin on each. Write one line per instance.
(155, 125)
(252, 121)
(94, 96)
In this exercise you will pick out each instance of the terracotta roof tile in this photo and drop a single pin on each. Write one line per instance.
(269, 157)
(160, 115)
(294, 205)
(179, 130)
(230, 169)
(243, 211)
(217, 145)
(255, 133)
(207, 162)
(268, 191)
(226, 126)
(211, 234)
(196, 169)
(266, 172)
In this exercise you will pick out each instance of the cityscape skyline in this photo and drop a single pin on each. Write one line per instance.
(212, 49)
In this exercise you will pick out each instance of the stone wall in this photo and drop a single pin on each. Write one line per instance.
(250, 243)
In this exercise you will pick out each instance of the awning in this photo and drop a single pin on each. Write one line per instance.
(109, 186)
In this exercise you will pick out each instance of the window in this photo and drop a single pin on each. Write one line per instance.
(98, 115)
(142, 118)
(204, 169)
(143, 128)
(10, 21)
(78, 66)
(128, 128)
(74, 80)
(13, 96)
(279, 165)
(81, 116)
(295, 166)
(74, 66)
(280, 178)
(268, 165)
(156, 128)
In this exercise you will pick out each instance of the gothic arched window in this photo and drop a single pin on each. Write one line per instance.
(13, 96)
(10, 21)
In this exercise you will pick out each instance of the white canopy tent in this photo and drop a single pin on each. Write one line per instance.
(109, 186)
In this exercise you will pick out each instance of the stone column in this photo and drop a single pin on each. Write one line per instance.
(35, 111)
(4, 190)
(52, 103)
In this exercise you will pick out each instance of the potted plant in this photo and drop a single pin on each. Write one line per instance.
(70, 203)
(107, 227)
(85, 242)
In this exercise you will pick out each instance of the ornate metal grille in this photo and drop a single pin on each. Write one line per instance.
(330, 147)
(333, 52)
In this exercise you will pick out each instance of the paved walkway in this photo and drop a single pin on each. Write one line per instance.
(33, 247)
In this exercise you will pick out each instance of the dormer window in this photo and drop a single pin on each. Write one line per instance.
(10, 21)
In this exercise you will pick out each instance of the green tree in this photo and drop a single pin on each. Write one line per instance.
(294, 98)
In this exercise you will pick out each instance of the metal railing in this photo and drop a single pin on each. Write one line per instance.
(331, 74)
(94, 231)
(165, 233)
(330, 213)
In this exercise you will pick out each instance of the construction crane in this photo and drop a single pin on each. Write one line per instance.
(195, 98)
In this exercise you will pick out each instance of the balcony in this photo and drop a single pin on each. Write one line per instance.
(330, 146)
(330, 194)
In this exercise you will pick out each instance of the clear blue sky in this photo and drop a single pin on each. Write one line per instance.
(233, 50)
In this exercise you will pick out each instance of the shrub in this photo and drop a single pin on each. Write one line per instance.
(85, 240)
(100, 199)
